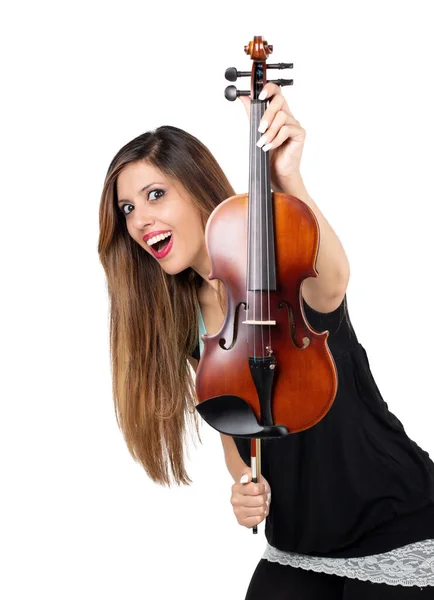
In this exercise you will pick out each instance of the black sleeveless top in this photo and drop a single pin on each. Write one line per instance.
(354, 484)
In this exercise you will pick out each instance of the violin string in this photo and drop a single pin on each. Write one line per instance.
(262, 192)
(255, 221)
(264, 198)
(250, 216)
(267, 217)
(264, 187)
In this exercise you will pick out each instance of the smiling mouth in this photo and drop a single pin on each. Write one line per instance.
(161, 248)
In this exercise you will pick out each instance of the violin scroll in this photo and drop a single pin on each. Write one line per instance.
(258, 50)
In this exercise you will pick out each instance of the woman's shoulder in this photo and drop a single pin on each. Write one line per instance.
(336, 321)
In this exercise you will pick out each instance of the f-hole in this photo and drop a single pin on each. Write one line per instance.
(222, 341)
(292, 328)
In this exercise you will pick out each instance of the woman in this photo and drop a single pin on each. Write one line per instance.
(354, 485)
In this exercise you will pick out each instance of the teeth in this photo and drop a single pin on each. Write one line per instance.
(157, 238)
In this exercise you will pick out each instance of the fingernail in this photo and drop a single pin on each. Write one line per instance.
(263, 95)
(262, 126)
(261, 141)
(267, 147)
(244, 478)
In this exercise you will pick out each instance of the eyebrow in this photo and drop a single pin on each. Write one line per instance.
(142, 190)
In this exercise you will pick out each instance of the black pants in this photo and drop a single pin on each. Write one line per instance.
(274, 581)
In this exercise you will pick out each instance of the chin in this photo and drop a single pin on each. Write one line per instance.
(174, 270)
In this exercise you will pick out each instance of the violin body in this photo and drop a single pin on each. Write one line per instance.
(304, 378)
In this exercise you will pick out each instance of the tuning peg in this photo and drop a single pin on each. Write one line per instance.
(231, 74)
(281, 82)
(281, 66)
(231, 93)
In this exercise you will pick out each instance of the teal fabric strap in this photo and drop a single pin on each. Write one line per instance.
(202, 331)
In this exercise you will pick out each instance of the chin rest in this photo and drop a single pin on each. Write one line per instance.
(232, 415)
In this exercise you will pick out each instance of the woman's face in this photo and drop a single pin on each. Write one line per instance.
(153, 204)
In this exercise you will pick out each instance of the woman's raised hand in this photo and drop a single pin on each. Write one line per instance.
(282, 135)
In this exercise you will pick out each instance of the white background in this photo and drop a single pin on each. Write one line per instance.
(80, 519)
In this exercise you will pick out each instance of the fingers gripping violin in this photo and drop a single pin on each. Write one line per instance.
(266, 373)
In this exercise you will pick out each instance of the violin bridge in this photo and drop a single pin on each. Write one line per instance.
(259, 322)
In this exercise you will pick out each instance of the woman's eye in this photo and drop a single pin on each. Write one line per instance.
(126, 213)
(156, 191)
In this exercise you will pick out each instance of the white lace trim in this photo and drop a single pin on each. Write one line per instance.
(409, 565)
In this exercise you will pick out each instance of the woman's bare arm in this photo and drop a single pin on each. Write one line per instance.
(234, 462)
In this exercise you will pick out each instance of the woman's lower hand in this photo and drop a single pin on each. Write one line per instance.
(250, 501)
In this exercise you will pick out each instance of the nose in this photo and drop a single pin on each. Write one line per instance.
(142, 217)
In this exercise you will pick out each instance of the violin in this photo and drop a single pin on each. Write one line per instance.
(266, 373)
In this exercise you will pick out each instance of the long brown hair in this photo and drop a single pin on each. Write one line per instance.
(153, 315)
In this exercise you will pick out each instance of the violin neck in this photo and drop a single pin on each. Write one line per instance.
(261, 263)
